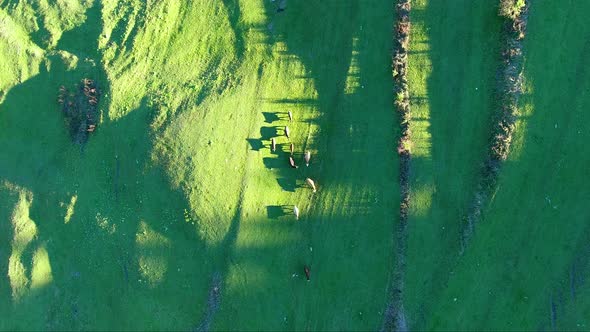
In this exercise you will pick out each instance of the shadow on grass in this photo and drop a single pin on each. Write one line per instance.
(255, 144)
(458, 124)
(234, 16)
(277, 211)
(119, 191)
(356, 146)
(7, 202)
(270, 117)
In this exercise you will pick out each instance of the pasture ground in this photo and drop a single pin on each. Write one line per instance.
(527, 266)
(177, 192)
(178, 185)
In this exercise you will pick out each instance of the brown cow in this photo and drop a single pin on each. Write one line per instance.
(292, 163)
(311, 184)
(307, 272)
(273, 144)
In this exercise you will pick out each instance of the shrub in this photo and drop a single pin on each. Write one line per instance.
(511, 8)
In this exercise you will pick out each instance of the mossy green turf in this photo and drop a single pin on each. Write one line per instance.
(531, 248)
(178, 182)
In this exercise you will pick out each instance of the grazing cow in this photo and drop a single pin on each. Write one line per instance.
(287, 132)
(311, 184)
(273, 144)
(296, 212)
(307, 157)
(290, 116)
(91, 128)
(307, 272)
(292, 163)
(292, 148)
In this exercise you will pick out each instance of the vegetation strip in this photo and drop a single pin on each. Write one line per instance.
(509, 89)
(394, 315)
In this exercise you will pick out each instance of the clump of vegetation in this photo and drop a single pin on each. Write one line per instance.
(510, 84)
(80, 108)
(511, 8)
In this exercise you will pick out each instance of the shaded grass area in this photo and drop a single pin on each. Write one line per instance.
(113, 255)
(519, 274)
(118, 195)
(452, 65)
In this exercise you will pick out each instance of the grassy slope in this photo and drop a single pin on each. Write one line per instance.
(537, 225)
(452, 64)
(114, 243)
(169, 190)
(344, 233)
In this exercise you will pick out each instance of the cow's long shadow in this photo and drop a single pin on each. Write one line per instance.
(97, 258)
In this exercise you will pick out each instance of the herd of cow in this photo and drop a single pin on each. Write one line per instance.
(310, 182)
(306, 157)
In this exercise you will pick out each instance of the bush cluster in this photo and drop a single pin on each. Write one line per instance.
(511, 8)
(402, 100)
(509, 86)
(80, 109)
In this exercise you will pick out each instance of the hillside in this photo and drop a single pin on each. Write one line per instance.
(139, 189)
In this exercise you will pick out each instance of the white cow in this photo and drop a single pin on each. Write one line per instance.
(292, 163)
(311, 184)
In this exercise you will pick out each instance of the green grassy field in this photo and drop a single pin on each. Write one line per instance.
(531, 248)
(178, 184)
(178, 188)
(452, 64)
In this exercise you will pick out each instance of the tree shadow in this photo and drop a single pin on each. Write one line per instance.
(7, 202)
(345, 140)
(460, 106)
(234, 16)
(295, 101)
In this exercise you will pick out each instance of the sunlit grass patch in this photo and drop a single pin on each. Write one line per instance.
(153, 254)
